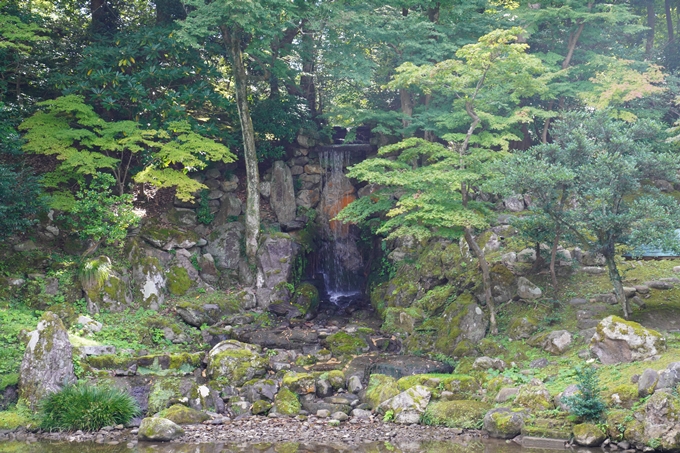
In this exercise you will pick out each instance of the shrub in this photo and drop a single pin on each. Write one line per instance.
(588, 403)
(87, 408)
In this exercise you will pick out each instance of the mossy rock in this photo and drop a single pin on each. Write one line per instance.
(534, 397)
(261, 407)
(548, 427)
(287, 402)
(178, 281)
(300, 383)
(12, 420)
(343, 343)
(588, 435)
(337, 379)
(468, 414)
(522, 327)
(166, 390)
(624, 395)
(402, 320)
(159, 430)
(109, 362)
(380, 388)
(183, 415)
(490, 348)
(465, 349)
(462, 320)
(462, 386)
(618, 421)
(236, 366)
(436, 299)
(504, 423)
(306, 298)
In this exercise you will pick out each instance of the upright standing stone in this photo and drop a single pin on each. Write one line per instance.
(48, 361)
(282, 196)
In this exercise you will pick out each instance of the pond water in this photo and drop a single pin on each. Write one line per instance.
(287, 447)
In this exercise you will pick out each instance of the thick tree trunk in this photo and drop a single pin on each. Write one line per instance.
(615, 278)
(669, 21)
(233, 44)
(651, 23)
(486, 278)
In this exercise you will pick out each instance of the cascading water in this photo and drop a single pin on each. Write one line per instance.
(340, 259)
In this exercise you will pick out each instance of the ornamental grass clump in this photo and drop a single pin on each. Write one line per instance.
(87, 408)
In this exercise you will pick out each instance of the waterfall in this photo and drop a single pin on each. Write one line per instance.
(340, 259)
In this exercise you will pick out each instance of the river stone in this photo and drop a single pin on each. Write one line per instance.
(354, 385)
(159, 430)
(282, 195)
(235, 362)
(504, 423)
(264, 389)
(618, 341)
(47, 365)
(588, 435)
(408, 406)
(224, 244)
(488, 363)
(527, 290)
(647, 382)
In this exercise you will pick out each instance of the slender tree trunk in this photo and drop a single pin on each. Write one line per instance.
(615, 278)
(486, 278)
(669, 21)
(651, 24)
(553, 255)
(233, 44)
(307, 83)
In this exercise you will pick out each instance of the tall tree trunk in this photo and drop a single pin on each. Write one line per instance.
(615, 278)
(406, 107)
(651, 23)
(486, 278)
(669, 21)
(307, 83)
(233, 44)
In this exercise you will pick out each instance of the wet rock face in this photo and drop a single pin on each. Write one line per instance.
(225, 245)
(617, 341)
(275, 259)
(48, 361)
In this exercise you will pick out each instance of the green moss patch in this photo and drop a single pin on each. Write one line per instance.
(456, 414)
(342, 343)
(183, 415)
(287, 402)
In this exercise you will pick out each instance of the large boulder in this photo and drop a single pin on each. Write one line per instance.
(233, 363)
(504, 423)
(661, 421)
(148, 273)
(408, 406)
(224, 245)
(282, 193)
(159, 430)
(527, 290)
(588, 435)
(183, 415)
(47, 365)
(534, 396)
(275, 259)
(617, 340)
(380, 389)
(463, 320)
(456, 413)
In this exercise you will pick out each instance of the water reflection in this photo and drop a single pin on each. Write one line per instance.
(286, 447)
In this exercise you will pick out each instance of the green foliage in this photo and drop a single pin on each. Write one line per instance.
(85, 144)
(276, 122)
(203, 214)
(588, 403)
(389, 416)
(99, 215)
(13, 322)
(20, 200)
(94, 272)
(87, 408)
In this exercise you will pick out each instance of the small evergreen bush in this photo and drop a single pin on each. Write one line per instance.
(87, 408)
(587, 404)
